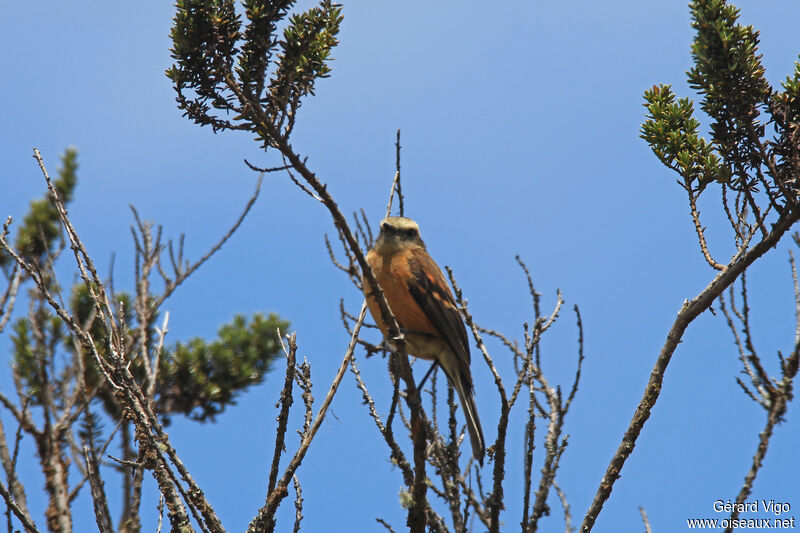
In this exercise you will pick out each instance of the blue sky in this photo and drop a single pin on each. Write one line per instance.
(520, 136)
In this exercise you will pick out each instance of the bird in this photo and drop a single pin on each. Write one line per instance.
(425, 310)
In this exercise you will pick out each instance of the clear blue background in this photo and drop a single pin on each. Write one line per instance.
(520, 136)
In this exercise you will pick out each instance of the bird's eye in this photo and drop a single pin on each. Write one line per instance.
(409, 233)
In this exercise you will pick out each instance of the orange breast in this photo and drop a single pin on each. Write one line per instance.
(393, 275)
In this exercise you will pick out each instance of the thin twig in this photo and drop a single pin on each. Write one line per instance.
(189, 269)
(574, 388)
(76, 490)
(23, 517)
(23, 417)
(796, 295)
(395, 183)
(153, 377)
(385, 524)
(645, 520)
(9, 296)
(565, 507)
(298, 182)
(700, 230)
(298, 504)
(9, 462)
(397, 455)
(397, 166)
(285, 403)
(266, 170)
(279, 491)
(99, 499)
(160, 510)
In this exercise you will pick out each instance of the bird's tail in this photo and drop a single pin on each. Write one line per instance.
(463, 387)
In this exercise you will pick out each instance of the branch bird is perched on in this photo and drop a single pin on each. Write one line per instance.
(425, 309)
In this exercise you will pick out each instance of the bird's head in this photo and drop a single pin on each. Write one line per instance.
(397, 233)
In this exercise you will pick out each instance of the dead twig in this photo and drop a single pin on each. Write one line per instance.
(9, 297)
(99, 499)
(645, 521)
(264, 520)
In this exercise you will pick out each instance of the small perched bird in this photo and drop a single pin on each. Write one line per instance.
(425, 309)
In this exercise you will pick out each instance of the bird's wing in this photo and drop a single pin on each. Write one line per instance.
(427, 286)
(429, 289)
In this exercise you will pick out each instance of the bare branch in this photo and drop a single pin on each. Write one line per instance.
(397, 166)
(700, 230)
(285, 402)
(369, 239)
(278, 490)
(297, 182)
(23, 517)
(395, 183)
(266, 170)
(386, 430)
(796, 294)
(565, 507)
(735, 225)
(82, 259)
(385, 524)
(349, 270)
(9, 296)
(153, 377)
(76, 489)
(150, 433)
(9, 463)
(23, 417)
(645, 520)
(743, 356)
(580, 361)
(160, 510)
(298, 504)
(98, 492)
(184, 271)
(689, 311)
(775, 397)
(528, 446)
